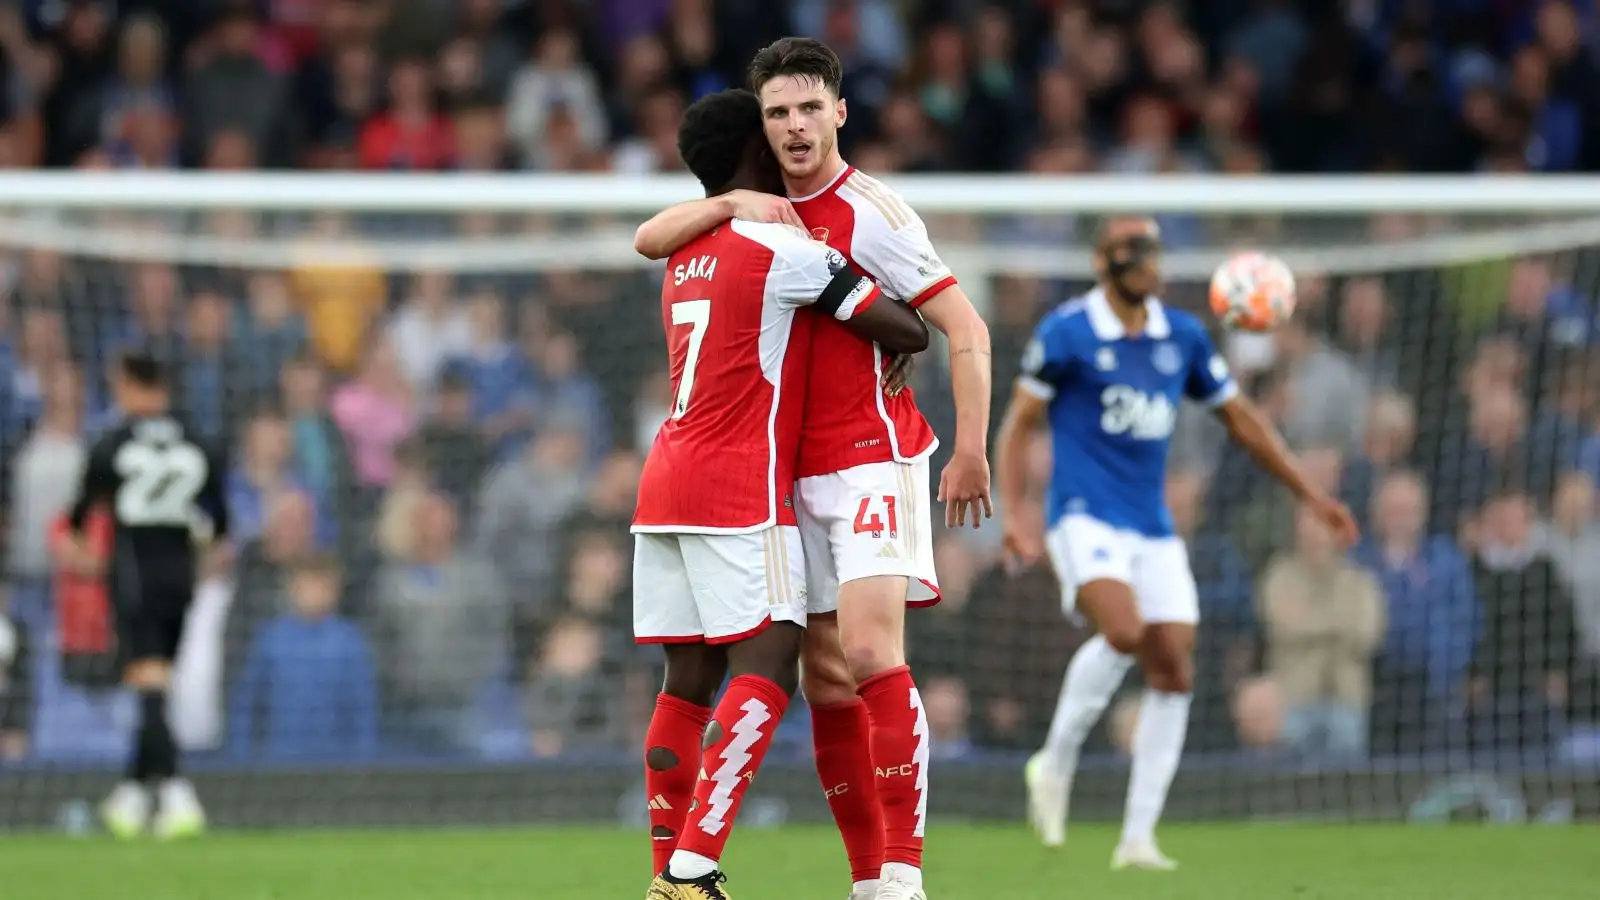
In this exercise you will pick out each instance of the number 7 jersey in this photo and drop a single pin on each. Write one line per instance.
(724, 461)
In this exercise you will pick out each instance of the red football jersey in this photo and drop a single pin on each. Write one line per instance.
(849, 420)
(724, 461)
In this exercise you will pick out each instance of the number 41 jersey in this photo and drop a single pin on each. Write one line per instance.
(1113, 403)
(724, 461)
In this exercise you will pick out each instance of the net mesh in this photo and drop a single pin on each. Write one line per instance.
(453, 408)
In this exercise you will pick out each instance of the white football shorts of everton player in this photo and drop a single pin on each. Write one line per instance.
(1113, 401)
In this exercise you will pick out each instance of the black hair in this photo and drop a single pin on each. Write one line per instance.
(144, 368)
(716, 135)
(1102, 228)
(796, 56)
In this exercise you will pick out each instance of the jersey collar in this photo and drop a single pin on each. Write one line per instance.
(828, 188)
(1107, 327)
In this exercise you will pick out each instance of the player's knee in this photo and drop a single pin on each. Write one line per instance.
(1125, 635)
(867, 655)
(774, 654)
(1169, 676)
(1167, 660)
(694, 673)
(1111, 606)
(697, 689)
(827, 689)
(825, 678)
(872, 625)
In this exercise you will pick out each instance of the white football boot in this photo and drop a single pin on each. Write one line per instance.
(180, 814)
(1048, 795)
(1141, 855)
(126, 812)
(895, 888)
(867, 890)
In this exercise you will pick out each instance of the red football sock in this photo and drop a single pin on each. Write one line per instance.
(672, 745)
(900, 758)
(740, 732)
(840, 732)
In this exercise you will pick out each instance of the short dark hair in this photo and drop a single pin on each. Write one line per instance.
(796, 56)
(716, 134)
(143, 367)
(1102, 227)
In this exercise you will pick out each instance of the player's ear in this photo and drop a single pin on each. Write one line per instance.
(839, 113)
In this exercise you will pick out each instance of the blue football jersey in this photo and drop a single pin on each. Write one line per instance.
(1113, 404)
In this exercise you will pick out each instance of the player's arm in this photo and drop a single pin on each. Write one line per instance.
(892, 324)
(809, 273)
(1022, 417)
(892, 243)
(1044, 365)
(669, 230)
(970, 377)
(1252, 430)
(99, 484)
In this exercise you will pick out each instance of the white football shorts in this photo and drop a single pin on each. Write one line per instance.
(873, 519)
(1084, 549)
(716, 588)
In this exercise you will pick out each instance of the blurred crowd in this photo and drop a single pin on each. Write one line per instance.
(934, 85)
(433, 472)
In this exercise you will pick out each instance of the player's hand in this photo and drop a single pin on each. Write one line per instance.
(897, 373)
(964, 485)
(1022, 544)
(219, 561)
(1334, 515)
(755, 206)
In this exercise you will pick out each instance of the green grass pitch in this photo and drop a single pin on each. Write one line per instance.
(1220, 862)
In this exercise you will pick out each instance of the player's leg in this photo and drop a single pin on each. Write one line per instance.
(764, 670)
(179, 813)
(150, 614)
(149, 606)
(1167, 597)
(880, 525)
(672, 741)
(1094, 567)
(749, 592)
(840, 727)
(664, 612)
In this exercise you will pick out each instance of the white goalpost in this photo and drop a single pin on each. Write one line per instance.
(1456, 315)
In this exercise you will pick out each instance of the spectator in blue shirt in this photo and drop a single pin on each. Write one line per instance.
(1433, 621)
(568, 394)
(263, 470)
(501, 378)
(270, 335)
(212, 377)
(309, 688)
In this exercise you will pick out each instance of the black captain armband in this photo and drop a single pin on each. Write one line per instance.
(848, 286)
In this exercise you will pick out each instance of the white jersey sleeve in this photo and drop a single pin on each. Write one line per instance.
(891, 242)
(806, 272)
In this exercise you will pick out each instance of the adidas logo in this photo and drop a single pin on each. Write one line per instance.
(659, 802)
(888, 552)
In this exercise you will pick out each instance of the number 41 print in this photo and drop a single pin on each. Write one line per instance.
(868, 516)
